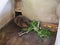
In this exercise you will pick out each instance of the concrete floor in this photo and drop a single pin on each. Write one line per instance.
(9, 36)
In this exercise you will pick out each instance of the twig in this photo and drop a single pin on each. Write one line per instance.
(38, 24)
(21, 34)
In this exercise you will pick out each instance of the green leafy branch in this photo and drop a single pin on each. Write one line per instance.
(33, 26)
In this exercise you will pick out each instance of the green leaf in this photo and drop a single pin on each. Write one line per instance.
(33, 23)
(44, 33)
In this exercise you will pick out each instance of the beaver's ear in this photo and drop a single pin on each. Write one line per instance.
(58, 10)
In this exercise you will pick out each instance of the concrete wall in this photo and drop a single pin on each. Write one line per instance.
(7, 13)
